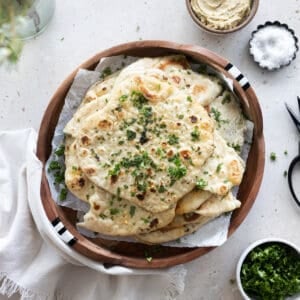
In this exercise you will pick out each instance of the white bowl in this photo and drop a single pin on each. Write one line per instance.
(248, 250)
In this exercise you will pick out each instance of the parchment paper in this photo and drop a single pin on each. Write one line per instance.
(213, 233)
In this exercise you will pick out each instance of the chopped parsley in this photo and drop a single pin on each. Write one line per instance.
(138, 99)
(285, 152)
(60, 150)
(123, 98)
(285, 173)
(173, 139)
(131, 135)
(180, 117)
(236, 147)
(54, 165)
(132, 211)
(201, 184)
(219, 167)
(63, 194)
(106, 72)
(189, 99)
(271, 271)
(273, 156)
(178, 171)
(195, 134)
(114, 211)
(217, 116)
(226, 99)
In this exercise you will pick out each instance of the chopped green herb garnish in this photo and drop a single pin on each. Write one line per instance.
(74, 168)
(285, 173)
(113, 211)
(219, 167)
(273, 156)
(217, 116)
(201, 184)
(131, 135)
(54, 165)
(103, 216)
(195, 134)
(189, 98)
(146, 111)
(138, 99)
(271, 271)
(226, 99)
(146, 221)
(59, 177)
(106, 72)
(285, 152)
(123, 98)
(173, 139)
(60, 150)
(161, 189)
(176, 173)
(180, 117)
(132, 211)
(63, 194)
(236, 147)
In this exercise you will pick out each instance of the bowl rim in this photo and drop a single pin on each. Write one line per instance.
(247, 20)
(248, 250)
(83, 245)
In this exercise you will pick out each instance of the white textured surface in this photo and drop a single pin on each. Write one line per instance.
(90, 26)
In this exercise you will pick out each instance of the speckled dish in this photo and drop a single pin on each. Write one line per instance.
(280, 25)
(254, 8)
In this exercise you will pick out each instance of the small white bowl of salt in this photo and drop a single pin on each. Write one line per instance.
(273, 45)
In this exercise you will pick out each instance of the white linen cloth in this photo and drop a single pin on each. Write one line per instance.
(34, 268)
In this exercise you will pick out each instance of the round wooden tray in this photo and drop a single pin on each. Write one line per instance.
(132, 254)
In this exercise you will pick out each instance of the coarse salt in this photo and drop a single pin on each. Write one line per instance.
(273, 47)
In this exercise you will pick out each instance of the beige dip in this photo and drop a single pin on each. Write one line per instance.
(221, 14)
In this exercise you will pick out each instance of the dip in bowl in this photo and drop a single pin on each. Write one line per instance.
(222, 16)
(269, 269)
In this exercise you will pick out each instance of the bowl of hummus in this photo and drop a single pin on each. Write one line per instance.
(222, 16)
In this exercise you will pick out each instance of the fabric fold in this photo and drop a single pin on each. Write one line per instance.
(34, 266)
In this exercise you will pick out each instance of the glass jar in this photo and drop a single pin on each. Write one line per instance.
(36, 19)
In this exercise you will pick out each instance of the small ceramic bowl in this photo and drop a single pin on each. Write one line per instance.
(248, 250)
(202, 26)
(275, 24)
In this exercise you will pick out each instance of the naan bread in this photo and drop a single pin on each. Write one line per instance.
(191, 201)
(95, 99)
(229, 120)
(140, 142)
(167, 235)
(212, 208)
(108, 214)
(223, 170)
(148, 144)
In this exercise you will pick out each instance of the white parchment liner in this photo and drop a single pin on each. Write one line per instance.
(211, 234)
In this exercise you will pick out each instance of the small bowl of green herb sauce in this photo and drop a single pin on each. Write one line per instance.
(269, 269)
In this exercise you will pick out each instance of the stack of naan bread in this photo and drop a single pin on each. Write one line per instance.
(154, 149)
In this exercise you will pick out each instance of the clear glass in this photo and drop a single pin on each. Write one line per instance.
(36, 20)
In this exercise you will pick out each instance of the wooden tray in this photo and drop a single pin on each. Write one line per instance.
(132, 254)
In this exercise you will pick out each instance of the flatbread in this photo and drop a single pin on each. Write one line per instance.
(95, 99)
(108, 214)
(168, 235)
(152, 169)
(223, 170)
(229, 120)
(191, 201)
